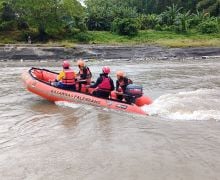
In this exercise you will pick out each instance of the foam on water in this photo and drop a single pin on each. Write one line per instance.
(201, 104)
(68, 104)
(74, 105)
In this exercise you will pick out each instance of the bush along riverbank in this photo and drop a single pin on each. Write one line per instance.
(144, 37)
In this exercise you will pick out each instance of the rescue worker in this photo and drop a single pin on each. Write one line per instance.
(84, 75)
(104, 84)
(66, 78)
(121, 84)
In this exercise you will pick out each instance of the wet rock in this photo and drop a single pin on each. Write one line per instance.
(32, 52)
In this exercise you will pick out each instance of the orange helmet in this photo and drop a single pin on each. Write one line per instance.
(66, 64)
(81, 63)
(120, 73)
(106, 70)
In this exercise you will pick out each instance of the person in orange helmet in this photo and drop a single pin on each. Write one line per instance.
(66, 78)
(104, 84)
(121, 84)
(84, 75)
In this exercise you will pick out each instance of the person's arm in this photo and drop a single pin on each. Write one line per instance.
(88, 73)
(98, 81)
(112, 85)
(74, 75)
(78, 74)
(60, 76)
(117, 85)
(126, 81)
(125, 84)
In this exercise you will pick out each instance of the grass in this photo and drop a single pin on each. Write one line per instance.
(9, 37)
(161, 38)
(149, 37)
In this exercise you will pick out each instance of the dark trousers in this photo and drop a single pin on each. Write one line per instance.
(129, 99)
(120, 97)
(102, 94)
(80, 85)
(66, 87)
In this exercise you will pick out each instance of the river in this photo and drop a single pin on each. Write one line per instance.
(179, 140)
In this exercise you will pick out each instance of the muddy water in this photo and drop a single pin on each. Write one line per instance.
(179, 140)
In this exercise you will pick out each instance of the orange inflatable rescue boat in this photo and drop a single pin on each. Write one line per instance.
(38, 81)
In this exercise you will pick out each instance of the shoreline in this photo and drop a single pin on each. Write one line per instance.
(94, 51)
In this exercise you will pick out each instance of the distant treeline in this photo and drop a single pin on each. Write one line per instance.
(60, 19)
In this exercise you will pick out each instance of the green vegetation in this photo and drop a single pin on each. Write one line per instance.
(162, 38)
(174, 23)
(170, 39)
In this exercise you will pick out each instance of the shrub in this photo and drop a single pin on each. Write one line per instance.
(168, 17)
(183, 22)
(208, 27)
(83, 37)
(25, 33)
(82, 26)
(22, 25)
(168, 28)
(8, 26)
(148, 21)
(99, 24)
(74, 31)
(126, 26)
(200, 17)
(218, 21)
(158, 27)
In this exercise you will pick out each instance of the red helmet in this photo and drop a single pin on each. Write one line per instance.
(106, 70)
(66, 64)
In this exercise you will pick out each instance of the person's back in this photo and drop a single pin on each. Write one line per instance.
(104, 84)
(66, 78)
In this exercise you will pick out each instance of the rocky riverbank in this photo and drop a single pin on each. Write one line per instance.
(39, 52)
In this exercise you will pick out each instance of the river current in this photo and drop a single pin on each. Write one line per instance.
(180, 139)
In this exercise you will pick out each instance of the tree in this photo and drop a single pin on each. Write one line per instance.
(101, 13)
(47, 16)
(169, 16)
(7, 17)
(40, 14)
(7, 12)
(198, 17)
(125, 26)
(210, 6)
(188, 5)
(139, 5)
(184, 19)
(73, 14)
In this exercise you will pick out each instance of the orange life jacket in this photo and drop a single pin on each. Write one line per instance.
(69, 77)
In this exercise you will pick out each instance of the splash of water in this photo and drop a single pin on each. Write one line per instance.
(201, 104)
(68, 104)
(74, 105)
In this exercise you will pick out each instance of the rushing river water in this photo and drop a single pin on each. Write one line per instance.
(179, 140)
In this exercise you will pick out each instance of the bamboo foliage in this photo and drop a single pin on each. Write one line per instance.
(210, 6)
